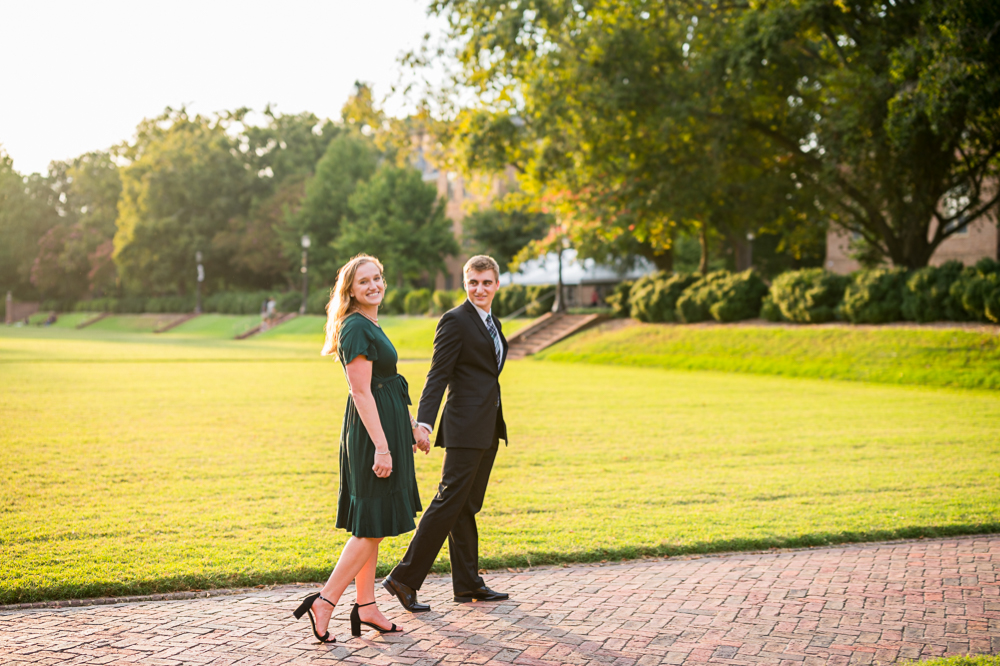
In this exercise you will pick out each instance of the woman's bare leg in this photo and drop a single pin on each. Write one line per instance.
(364, 583)
(356, 554)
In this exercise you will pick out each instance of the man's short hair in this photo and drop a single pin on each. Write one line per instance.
(480, 263)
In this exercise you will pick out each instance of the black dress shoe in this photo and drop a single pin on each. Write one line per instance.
(481, 594)
(407, 595)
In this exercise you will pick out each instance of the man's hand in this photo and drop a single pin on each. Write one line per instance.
(422, 437)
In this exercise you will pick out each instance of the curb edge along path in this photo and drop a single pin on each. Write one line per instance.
(856, 604)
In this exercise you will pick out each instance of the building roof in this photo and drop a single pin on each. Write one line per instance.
(545, 270)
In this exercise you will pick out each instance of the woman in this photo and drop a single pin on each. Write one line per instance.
(378, 486)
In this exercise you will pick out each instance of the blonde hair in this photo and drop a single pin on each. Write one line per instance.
(340, 301)
(480, 263)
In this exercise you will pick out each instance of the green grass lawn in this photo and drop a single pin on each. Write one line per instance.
(192, 463)
(964, 358)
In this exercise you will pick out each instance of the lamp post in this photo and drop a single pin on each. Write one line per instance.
(559, 305)
(201, 278)
(305, 273)
(750, 238)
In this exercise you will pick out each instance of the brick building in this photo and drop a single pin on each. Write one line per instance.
(980, 239)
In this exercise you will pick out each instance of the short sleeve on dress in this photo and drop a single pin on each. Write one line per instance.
(356, 339)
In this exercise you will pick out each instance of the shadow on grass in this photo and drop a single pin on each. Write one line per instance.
(199, 582)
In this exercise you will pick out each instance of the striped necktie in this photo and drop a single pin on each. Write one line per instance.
(497, 346)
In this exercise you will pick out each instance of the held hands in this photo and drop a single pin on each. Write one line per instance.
(383, 464)
(422, 437)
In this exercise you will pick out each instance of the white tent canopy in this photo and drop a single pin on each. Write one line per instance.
(545, 270)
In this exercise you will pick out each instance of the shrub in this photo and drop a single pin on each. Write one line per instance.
(290, 301)
(236, 302)
(722, 296)
(875, 296)
(442, 301)
(537, 306)
(394, 299)
(927, 294)
(694, 303)
(973, 287)
(991, 301)
(770, 311)
(739, 297)
(619, 299)
(130, 305)
(417, 302)
(96, 305)
(316, 303)
(809, 296)
(653, 298)
(170, 304)
(509, 299)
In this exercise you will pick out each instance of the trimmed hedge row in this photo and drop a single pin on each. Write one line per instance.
(223, 302)
(950, 292)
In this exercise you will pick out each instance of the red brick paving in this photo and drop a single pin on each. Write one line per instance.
(866, 604)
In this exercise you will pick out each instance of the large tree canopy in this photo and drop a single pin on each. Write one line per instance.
(186, 181)
(399, 218)
(636, 117)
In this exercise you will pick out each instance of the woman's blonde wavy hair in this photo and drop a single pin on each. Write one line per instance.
(340, 301)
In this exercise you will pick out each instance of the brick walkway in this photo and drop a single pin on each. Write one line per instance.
(868, 604)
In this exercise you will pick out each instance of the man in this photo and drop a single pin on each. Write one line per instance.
(469, 353)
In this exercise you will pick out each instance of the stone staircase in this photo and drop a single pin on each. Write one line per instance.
(547, 330)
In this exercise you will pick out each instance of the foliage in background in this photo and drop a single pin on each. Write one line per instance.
(349, 160)
(875, 296)
(809, 296)
(417, 302)
(977, 287)
(738, 117)
(399, 218)
(722, 296)
(183, 185)
(653, 298)
(502, 232)
(927, 294)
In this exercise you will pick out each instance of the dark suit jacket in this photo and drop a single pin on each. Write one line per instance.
(465, 363)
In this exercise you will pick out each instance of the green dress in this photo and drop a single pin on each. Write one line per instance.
(370, 506)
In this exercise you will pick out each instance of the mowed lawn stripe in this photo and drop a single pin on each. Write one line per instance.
(141, 477)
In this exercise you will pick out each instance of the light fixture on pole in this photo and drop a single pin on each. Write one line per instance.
(559, 305)
(750, 237)
(305, 273)
(201, 278)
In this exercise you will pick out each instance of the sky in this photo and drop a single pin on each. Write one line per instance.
(79, 76)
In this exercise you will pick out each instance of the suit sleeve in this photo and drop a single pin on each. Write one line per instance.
(447, 346)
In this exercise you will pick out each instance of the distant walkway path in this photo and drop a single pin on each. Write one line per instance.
(864, 604)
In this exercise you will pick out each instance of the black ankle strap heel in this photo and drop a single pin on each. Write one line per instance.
(306, 607)
(356, 623)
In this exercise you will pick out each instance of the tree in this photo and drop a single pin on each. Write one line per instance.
(186, 180)
(263, 246)
(74, 257)
(350, 159)
(27, 212)
(648, 117)
(399, 218)
(502, 233)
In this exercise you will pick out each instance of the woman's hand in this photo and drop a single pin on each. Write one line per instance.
(383, 464)
(422, 439)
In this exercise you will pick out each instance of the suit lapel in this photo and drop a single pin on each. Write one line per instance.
(477, 321)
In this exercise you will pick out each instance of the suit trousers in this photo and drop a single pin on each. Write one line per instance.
(451, 515)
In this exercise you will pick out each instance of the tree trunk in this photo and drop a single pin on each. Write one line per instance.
(703, 241)
(741, 250)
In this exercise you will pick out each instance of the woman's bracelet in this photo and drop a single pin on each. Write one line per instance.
(382, 453)
(413, 423)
